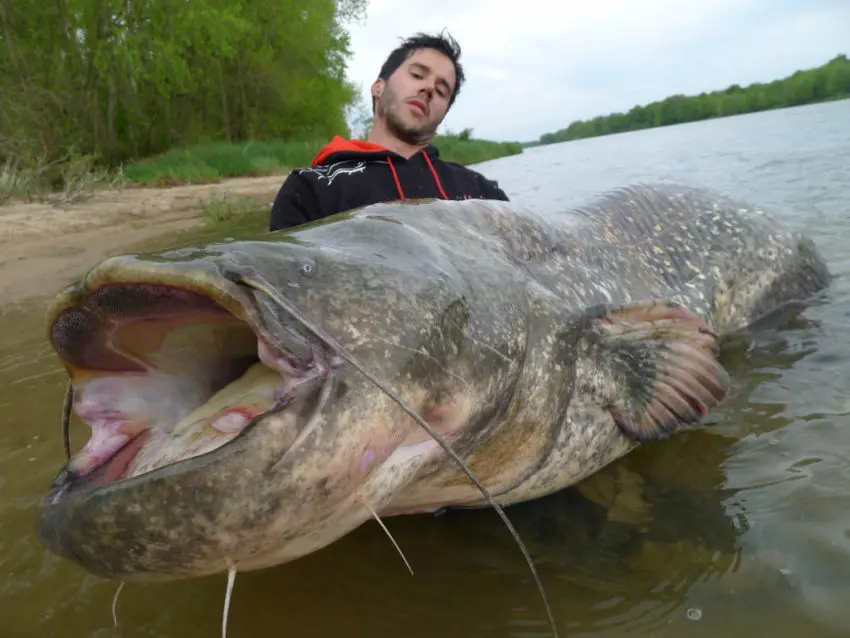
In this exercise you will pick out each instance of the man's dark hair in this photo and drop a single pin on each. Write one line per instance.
(445, 44)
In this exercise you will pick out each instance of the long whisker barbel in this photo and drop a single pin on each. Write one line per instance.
(249, 277)
(66, 419)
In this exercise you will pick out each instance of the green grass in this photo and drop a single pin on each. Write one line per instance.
(13, 182)
(71, 179)
(472, 151)
(226, 207)
(220, 160)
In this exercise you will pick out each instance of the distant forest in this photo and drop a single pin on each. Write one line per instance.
(827, 82)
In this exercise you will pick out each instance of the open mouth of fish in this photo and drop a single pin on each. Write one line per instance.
(163, 372)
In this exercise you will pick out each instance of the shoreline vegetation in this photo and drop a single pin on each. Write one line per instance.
(830, 81)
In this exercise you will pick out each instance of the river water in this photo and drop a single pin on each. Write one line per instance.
(741, 527)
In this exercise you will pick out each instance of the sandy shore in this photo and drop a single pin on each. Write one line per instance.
(43, 247)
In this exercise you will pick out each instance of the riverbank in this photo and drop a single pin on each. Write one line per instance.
(44, 246)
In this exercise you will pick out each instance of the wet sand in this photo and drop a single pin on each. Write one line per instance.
(43, 247)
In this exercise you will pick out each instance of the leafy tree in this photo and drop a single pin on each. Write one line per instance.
(121, 79)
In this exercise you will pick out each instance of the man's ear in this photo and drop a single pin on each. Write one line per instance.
(378, 88)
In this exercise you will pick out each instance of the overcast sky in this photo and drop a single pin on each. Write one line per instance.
(533, 66)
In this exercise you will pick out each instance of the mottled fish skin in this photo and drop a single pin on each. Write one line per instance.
(472, 312)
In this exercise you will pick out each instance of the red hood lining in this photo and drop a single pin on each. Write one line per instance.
(339, 144)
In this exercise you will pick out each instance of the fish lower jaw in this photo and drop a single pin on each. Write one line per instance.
(101, 466)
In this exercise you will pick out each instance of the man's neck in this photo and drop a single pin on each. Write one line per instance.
(379, 136)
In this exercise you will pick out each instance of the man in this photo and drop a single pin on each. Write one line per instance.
(417, 85)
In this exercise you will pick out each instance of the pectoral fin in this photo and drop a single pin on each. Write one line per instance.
(655, 367)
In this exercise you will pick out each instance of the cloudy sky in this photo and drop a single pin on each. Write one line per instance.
(533, 66)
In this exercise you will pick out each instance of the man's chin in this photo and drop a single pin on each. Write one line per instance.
(413, 136)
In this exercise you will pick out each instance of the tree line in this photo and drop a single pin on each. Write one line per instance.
(826, 82)
(123, 79)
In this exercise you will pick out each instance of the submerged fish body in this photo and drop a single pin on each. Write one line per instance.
(228, 433)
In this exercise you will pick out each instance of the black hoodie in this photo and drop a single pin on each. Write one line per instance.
(348, 174)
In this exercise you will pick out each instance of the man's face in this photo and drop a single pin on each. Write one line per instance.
(415, 99)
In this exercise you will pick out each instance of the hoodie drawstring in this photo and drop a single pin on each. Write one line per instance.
(433, 172)
(395, 177)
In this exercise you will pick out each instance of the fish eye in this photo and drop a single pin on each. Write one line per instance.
(307, 267)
